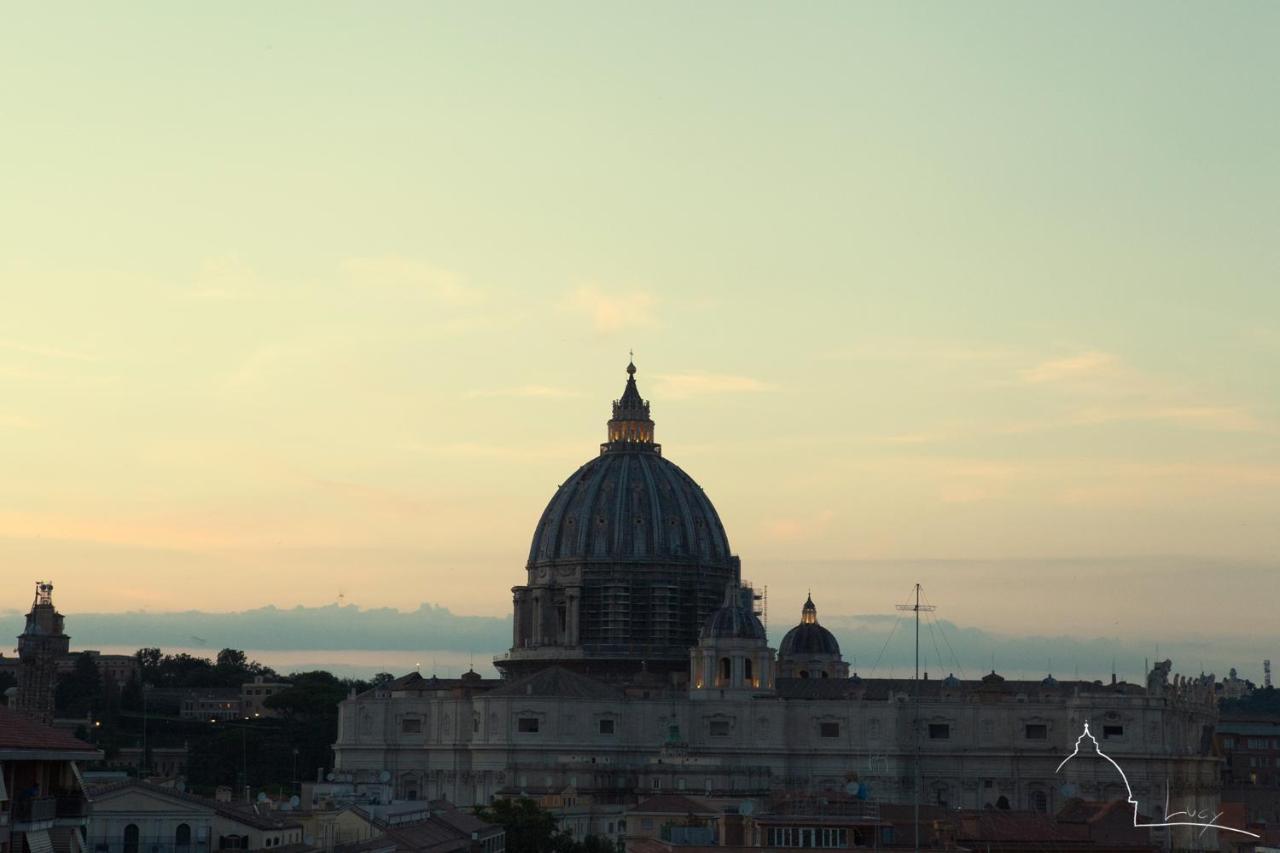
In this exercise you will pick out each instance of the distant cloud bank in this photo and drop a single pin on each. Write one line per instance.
(876, 645)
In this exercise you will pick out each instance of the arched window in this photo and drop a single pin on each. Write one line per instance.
(824, 673)
(747, 669)
(726, 670)
(1003, 803)
(131, 838)
(1039, 801)
(804, 673)
(182, 837)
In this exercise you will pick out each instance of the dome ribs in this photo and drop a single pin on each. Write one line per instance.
(587, 525)
(656, 513)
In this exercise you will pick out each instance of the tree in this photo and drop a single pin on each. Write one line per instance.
(311, 694)
(149, 662)
(529, 827)
(532, 829)
(382, 678)
(79, 692)
(232, 660)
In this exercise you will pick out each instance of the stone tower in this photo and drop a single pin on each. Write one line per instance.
(40, 646)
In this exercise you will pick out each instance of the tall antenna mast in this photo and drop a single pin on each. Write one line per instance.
(915, 726)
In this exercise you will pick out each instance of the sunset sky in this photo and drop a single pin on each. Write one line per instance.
(310, 299)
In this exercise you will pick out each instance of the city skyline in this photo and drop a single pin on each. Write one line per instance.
(305, 306)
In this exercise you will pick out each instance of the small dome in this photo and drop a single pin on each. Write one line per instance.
(736, 618)
(951, 681)
(1049, 681)
(808, 638)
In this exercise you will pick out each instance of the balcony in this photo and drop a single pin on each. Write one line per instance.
(32, 811)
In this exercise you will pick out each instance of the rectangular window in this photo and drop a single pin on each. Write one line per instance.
(829, 730)
(606, 727)
(1109, 732)
(1037, 731)
(411, 725)
(719, 728)
(939, 731)
(528, 725)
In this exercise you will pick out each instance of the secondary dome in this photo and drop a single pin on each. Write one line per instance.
(808, 638)
(735, 620)
(629, 503)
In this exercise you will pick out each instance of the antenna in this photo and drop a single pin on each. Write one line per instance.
(915, 725)
(1266, 673)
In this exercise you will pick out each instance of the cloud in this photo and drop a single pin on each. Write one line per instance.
(16, 422)
(876, 645)
(412, 276)
(225, 278)
(1085, 365)
(695, 383)
(791, 529)
(1221, 418)
(271, 364)
(610, 312)
(543, 391)
(59, 353)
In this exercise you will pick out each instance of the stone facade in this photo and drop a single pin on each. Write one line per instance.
(737, 721)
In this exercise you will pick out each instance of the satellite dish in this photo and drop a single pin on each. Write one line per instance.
(294, 801)
(384, 776)
(851, 788)
(330, 776)
(746, 807)
(262, 796)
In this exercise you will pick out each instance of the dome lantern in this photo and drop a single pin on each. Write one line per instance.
(809, 613)
(630, 428)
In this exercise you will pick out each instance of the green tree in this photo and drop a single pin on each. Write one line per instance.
(311, 694)
(232, 659)
(79, 692)
(529, 827)
(149, 660)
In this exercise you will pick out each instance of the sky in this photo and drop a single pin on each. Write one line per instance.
(319, 302)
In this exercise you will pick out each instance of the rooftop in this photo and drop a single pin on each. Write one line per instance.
(21, 737)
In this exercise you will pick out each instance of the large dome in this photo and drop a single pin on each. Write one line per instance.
(627, 562)
(631, 505)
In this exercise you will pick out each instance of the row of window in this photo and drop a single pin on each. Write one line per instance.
(804, 836)
(826, 729)
(1262, 761)
(1032, 731)
(531, 725)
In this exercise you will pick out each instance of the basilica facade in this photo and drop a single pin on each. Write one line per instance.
(639, 664)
